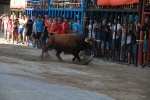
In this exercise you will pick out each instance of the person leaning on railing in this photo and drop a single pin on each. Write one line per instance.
(145, 32)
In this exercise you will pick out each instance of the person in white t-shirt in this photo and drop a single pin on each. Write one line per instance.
(91, 33)
(116, 29)
(21, 27)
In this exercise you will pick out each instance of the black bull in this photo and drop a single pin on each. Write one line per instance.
(69, 43)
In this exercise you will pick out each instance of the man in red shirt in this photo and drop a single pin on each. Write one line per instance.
(53, 29)
(65, 26)
(59, 25)
(49, 24)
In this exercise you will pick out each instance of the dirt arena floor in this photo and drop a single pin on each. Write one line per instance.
(120, 82)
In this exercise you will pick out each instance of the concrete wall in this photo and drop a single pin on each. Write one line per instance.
(4, 8)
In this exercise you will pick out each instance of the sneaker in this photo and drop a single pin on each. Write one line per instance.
(144, 64)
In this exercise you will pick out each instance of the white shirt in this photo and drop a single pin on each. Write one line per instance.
(128, 39)
(21, 21)
(5, 20)
(114, 27)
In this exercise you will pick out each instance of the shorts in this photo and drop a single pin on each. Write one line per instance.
(107, 43)
(129, 47)
(145, 45)
(28, 32)
(20, 31)
(37, 36)
(134, 49)
(9, 32)
(115, 44)
(15, 31)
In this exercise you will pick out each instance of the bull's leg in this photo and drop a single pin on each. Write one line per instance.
(78, 58)
(74, 58)
(44, 49)
(58, 55)
(76, 55)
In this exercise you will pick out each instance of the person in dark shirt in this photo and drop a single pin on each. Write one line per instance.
(105, 36)
(134, 38)
(28, 27)
(145, 32)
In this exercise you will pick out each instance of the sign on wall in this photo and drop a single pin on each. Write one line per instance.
(17, 4)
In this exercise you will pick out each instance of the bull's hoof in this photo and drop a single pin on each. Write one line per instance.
(41, 56)
(61, 60)
(73, 59)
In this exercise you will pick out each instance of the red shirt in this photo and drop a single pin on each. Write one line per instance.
(60, 28)
(49, 25)
(9, 24)
(53, 28)
(46, 22)
(15, 25)
(65, 28)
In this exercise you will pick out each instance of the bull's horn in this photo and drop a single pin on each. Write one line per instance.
(88, 41)
(97, 40)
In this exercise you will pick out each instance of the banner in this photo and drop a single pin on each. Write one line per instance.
(115, 2)
(17, 4)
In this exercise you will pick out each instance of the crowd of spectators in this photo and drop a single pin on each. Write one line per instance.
(24, 29)
(118, 42)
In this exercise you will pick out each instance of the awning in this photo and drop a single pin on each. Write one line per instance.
(116, 2)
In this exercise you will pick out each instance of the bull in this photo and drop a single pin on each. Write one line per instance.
(69, 43)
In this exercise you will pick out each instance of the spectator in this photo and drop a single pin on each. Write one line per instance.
(65, 26)
(77, 27)
(1, 25)
(144, 31)
(115, 39)
(59, 25)
(45, 34)
(39, 28)
(134, 38)
(91, 34)
(123, 39)
(5, 26)
(71, 25)
(21, 28)
(105, 36)
(9, 28)
(53, 29)
(15, 25)
(28, 28)
(90, 29)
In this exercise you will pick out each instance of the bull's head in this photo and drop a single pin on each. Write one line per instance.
(91, 43)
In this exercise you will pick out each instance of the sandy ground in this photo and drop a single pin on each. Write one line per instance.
(120, 82)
